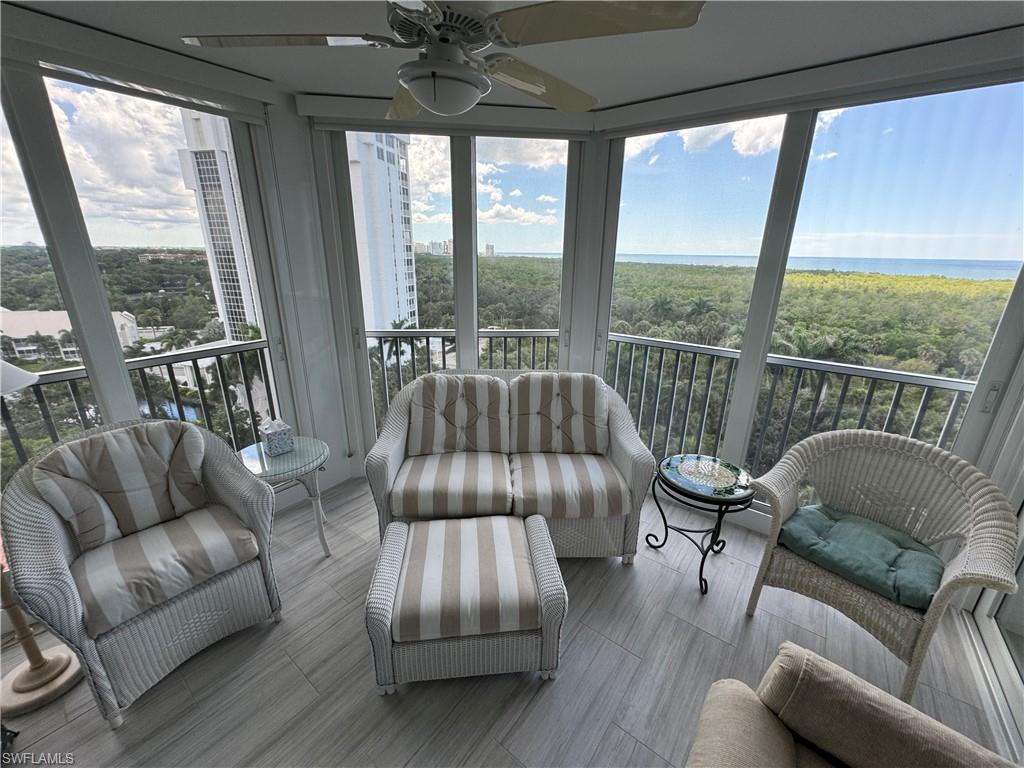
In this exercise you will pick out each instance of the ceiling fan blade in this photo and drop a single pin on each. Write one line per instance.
(555, 21)
(403, 106)
(264, 41)
(537, 83)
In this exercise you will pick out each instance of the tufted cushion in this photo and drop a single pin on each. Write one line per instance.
(872, 555)
(558, 413)
(567, 485)
(452, 485)
(458, 413)
(114, 483)
(465, 577)
(121, 579)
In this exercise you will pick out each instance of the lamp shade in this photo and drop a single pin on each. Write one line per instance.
(13, 378)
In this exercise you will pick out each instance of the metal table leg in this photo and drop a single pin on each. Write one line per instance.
(312, 485)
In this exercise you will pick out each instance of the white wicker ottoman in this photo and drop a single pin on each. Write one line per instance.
(465, 596)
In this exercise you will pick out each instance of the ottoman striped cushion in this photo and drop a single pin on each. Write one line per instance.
(465, 577)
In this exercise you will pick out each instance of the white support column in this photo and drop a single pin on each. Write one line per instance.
(771, 269)
(464, 274)
(597, 184)
(37, 142)
(574, 169)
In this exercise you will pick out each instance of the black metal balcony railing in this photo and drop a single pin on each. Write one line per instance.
(225, 388)
(679, 393)
(399, 356)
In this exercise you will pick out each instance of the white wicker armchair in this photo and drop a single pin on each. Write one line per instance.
(123, 663)
(914, 487)
(614, 536)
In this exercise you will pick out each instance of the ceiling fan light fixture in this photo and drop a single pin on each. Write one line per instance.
(443, 87)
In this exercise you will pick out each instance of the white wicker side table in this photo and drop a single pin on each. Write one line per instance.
(465, 596)
(299, 465)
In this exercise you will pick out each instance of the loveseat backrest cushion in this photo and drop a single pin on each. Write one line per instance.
(558, 413)
(450, 413)
(115, 483)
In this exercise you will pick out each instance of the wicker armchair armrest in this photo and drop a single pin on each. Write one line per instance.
(988, 554)
(39, 550)
(781, 485)
(627, 451)
(229, 483)
(554, 600)
(387, 454)
(380, 600)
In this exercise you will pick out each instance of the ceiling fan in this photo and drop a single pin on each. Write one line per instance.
(451, 75)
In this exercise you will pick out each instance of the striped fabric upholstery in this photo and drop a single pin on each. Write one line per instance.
(116, 483)
(558, 413)
(458, 413)
(125, 577)
(465, 577)
(567, 485)
(452, 485)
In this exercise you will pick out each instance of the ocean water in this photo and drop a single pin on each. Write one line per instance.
(989, 269)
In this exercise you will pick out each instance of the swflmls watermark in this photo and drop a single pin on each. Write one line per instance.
(37, 758)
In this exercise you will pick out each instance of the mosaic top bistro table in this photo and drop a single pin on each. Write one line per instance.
(297, 466)
(704, 483)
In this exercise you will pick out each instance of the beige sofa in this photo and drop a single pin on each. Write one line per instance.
(473, 443)
(811, 713)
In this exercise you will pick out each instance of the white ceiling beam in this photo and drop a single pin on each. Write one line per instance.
(32, 37)
(984, 59)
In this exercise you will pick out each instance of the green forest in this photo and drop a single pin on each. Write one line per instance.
(931, 325)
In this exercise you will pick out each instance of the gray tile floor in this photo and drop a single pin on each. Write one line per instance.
(641, 647)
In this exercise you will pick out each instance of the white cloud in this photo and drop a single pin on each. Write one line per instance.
(551, 210)
(750, 137)
(826, 155)
(534, 153)
(504, 213)
(546, 199)
(429, 166)
(653, 159)
(887, 131)
(123, 156)
(516, 193)
(637, 145)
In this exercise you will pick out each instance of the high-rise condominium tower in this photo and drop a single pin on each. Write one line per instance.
(379, 167)
(208, 168)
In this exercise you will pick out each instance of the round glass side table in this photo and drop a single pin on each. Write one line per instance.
(707, 484)
(297, 466)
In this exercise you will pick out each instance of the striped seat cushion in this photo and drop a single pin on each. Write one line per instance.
(567, 485)
(125, 577)
(452, 485)
(558, 413)
(115, 483)
(450, 413)
(465, 577)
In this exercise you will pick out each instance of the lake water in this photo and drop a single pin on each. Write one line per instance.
(990, 269)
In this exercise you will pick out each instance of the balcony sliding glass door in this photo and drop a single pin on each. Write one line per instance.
(155, 216)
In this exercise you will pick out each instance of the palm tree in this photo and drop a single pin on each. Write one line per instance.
(177, 339)
(699, 307)
(662, 309)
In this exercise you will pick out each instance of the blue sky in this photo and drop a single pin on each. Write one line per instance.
(933, 177)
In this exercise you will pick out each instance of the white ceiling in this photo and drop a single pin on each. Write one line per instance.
(733, 41)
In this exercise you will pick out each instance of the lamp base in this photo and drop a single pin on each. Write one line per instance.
(25, 689)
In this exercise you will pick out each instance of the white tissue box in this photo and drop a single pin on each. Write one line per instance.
(277, 437)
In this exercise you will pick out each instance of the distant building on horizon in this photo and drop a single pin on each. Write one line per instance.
(379, 169)
(208, 168)
(489, 249)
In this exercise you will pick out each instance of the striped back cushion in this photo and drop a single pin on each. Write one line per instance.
(116, 483)
(558, 413)
(458, 413)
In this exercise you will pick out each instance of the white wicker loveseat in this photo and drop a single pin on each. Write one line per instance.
(577, 530)
(45, 554)
(907, 485)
